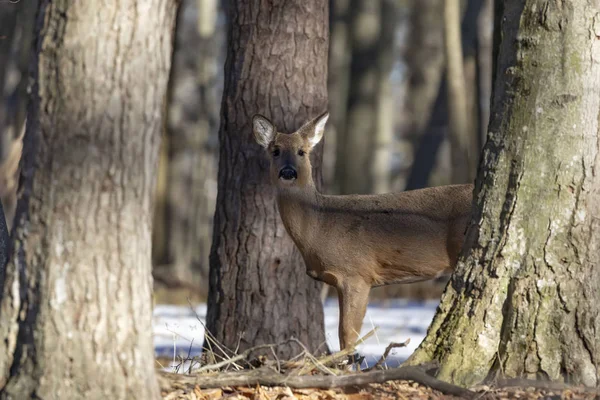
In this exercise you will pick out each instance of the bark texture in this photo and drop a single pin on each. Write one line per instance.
(76, 298)
(524, 300)
(277, 66)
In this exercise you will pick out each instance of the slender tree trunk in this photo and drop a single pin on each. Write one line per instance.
(190, 187)
(484, 57)
(424, 63)
(76, 299)
(524, 300)
(355, 161)
(458, 124)
(8, 30)
(277, 66)
(338, 84)
(385, 116)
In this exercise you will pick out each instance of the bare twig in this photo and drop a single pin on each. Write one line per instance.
(212, 340)
(333, 358)
(315, 362)
(233, 360)
(386, 353)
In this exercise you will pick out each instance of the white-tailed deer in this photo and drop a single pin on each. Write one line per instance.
(356, 242)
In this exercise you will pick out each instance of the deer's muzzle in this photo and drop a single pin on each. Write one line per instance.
(288, 173)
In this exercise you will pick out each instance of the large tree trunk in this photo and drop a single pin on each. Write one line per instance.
(277, 66)
(76, 298)
(193, 123)
(524, 300)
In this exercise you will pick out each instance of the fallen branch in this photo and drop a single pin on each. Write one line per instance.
(268, 377)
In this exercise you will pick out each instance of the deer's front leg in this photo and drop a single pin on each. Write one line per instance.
(353, 297)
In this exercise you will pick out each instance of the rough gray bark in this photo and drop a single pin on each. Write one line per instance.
(75, 314)
(193, 123)
(277, 66)
(524, 300)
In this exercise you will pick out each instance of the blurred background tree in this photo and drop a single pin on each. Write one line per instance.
(187, 188)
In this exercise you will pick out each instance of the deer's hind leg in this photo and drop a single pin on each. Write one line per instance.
(353, 297)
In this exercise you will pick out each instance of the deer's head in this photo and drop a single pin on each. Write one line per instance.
(289, 152)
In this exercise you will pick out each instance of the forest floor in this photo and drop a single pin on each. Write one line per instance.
(179, 333)
(384, 391)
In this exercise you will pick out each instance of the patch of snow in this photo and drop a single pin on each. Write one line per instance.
(179, 330)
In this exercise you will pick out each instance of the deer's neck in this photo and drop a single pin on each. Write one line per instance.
(298, 208)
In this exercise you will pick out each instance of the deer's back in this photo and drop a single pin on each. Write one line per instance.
(396, 237)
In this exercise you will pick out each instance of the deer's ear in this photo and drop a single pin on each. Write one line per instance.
(315, 129)
(263, 129)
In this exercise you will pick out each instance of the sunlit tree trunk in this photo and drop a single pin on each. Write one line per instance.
(76, 308)
(458, 121)
(524, 300)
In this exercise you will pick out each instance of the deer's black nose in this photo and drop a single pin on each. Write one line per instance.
(288, 173)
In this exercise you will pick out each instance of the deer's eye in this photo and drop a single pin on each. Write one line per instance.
(301, 152)
(276, 153)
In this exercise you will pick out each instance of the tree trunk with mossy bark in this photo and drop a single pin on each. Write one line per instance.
(76, 308)
(523, 301)
(276, 65)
